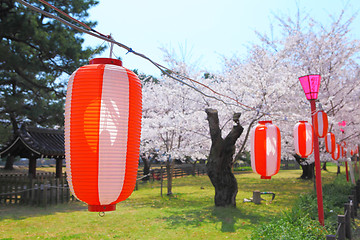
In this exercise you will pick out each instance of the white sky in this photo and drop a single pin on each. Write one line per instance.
(203, 30)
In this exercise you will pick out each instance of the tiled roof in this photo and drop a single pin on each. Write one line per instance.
(30, 141)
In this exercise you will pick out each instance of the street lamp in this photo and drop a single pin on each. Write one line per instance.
(311, 85)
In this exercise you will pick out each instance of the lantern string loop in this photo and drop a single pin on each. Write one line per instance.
(166, 71)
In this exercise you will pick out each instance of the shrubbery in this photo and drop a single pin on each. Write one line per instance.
(301, 222)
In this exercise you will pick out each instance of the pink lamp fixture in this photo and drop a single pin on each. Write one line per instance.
(311, 85)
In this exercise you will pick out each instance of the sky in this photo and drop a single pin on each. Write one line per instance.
(201, 32)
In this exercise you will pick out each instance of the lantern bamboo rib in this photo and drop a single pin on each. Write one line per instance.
(163, 69)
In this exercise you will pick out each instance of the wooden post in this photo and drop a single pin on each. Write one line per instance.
(354, 203)
(59, 167)
(44, 195)
(341, 222)
(256, 197)
(161, 180)
(347, 220)
(57, 182)
(32, 191)
(32, 166)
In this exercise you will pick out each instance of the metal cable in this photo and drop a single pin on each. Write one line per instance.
(108, 38)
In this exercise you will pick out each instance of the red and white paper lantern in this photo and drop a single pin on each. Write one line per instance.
(102, 133)
(265, 149)
(320, 124)
(336, 154)
(303, 139)
(330, 142)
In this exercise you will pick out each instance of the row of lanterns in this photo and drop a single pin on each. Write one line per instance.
(266, 143)
(102, 135)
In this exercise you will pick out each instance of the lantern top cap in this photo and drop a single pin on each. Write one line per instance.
(310, 85)
(112, 61)
(264, 122)
(303, 121)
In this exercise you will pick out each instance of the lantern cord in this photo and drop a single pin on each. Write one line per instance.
(111, 47)
(166, 71)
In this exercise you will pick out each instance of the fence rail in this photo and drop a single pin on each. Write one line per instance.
(42, 190)
(156, 174)
(350, 212)
(45, 189)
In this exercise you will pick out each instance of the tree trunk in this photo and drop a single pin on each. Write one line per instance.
(146, 162)
(9, 165)
(169, 172)
(324, 166)
(220, 160)
(308, 169)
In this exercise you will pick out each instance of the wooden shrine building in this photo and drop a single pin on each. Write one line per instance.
(35, 143)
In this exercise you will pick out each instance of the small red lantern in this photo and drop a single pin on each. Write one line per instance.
(343, 152)
(265, 149)
(330, 142)
(102, 133)
(320, 124)
(336, 154)
(303, 139)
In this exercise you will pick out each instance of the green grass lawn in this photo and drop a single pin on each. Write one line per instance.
(189, 214)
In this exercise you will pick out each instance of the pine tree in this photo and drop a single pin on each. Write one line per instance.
(36, 54)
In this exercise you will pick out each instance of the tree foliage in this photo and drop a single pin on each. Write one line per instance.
(36, 55)
(267, 80)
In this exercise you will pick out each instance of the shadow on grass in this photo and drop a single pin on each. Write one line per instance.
(18, 212)
(230, 218)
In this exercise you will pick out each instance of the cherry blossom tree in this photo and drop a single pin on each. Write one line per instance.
(264, 86)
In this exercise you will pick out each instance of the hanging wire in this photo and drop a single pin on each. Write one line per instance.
(164, 70)
(97, 50)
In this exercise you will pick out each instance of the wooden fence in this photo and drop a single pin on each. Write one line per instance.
(179, 171)
(45, 189)
(350, 212)
(42, 190)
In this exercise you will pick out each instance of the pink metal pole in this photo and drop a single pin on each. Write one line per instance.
(317, 169)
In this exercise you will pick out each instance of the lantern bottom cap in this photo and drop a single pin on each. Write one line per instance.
(102, 208)
(265, 177)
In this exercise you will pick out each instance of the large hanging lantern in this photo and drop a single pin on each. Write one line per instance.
(336, 154)
(265, 149)
(303, 139)
(102, 133)
(320, 124)
(330, 142)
